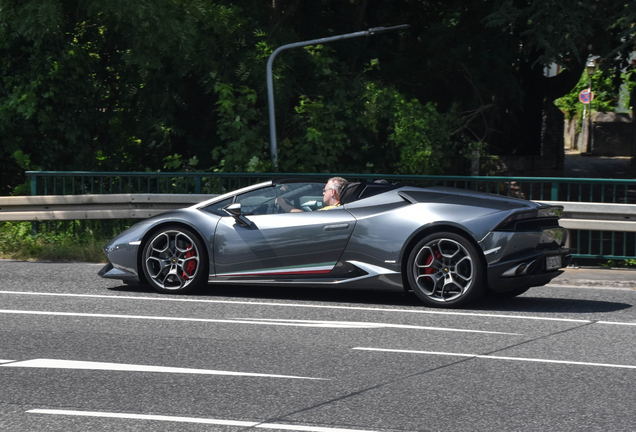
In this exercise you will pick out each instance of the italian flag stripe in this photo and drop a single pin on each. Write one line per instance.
(320, 268)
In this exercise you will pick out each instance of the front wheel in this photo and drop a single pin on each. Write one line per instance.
(446, 270)
(174, 260)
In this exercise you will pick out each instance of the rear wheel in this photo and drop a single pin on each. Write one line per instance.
(174, 260)
(445, 270)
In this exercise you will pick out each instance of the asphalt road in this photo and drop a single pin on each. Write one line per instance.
(80, 353)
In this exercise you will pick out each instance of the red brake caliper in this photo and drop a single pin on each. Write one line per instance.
(431, 270)
(190, 265)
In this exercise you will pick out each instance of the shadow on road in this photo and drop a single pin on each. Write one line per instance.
(548, 305)
(387, 298)
(390, 298)
(133, 288)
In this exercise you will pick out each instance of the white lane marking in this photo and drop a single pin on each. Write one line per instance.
(85, 365)
(288, 323)
(218, 422)
(616, 323)
(297, 305)
(6, 361)
(558, 285)
(370, 325)
(619, 366)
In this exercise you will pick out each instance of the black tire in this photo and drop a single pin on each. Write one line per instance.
(174, 260)
(446, 270)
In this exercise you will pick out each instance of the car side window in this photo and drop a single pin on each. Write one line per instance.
(303, 196)
(260, 201)
(217, 208)
(309, 197)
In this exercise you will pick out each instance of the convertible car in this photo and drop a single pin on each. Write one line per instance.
(449, 246)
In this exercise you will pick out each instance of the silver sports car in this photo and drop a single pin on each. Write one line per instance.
(449, 246)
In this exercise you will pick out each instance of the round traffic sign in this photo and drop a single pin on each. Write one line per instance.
(586, 96)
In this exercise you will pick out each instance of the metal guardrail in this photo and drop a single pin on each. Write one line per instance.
(589, 216)
(92, 207)
(613, 225)
(597, 216)
(591, 236)
(600, 231)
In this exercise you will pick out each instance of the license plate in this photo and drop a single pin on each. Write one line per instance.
(553, 262)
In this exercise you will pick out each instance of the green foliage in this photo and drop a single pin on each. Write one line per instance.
(628, 263)
(114, 85)
(17, 242)
(242, 127)
(24, 161)
(176, 163)
(629, 78)
(180, 84)
(358, 122)
(325, 140)
(605, 95)
(323, 134)
(423, 135)
(553, 31)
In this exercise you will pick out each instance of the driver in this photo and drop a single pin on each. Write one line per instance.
(331, 196)
(331, 193)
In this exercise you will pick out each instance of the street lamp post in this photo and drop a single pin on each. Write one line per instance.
(591, 69)
(270, 80)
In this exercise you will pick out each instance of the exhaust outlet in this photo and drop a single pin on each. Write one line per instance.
(515, 270)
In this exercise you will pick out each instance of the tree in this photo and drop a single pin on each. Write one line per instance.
(545, 32)
(113, 85)
(145, 85)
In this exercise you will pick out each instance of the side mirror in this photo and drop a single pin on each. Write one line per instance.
(234, 210)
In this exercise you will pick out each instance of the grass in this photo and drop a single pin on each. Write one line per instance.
(628, 263)
(55, 241)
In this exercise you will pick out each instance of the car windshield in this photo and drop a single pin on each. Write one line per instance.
(304, 196)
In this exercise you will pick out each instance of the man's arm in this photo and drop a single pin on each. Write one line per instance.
(286, 206)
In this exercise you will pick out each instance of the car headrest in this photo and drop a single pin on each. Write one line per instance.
(347, 194)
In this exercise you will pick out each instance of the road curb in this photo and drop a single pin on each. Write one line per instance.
(597, 277)
(593, 283)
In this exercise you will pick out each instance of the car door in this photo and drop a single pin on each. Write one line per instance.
(275, 246)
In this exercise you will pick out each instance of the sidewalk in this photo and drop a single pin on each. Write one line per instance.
(603, 167)
(597, 277)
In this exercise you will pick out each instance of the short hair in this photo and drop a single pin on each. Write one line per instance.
(338, 184)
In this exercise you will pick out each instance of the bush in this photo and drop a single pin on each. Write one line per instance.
(51, 243)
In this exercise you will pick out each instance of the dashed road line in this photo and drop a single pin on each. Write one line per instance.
(104, 366)
(218, 422)
(302, 305)
(254, 321)
(491, 357)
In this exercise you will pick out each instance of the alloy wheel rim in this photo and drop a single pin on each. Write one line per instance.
(172, 260)
(443, 270)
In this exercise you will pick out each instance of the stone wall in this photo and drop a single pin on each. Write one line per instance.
(612, 134)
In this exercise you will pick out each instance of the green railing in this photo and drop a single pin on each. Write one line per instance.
(600, 245)
(533, 188)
